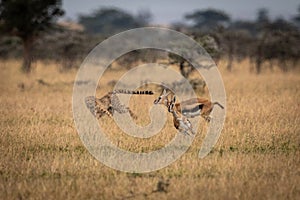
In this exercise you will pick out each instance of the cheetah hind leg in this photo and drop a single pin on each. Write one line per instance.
(122, 109)
(132, 114)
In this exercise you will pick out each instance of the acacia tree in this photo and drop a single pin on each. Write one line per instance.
(209, 43)
(113, 20)
(27, 19)
(208, 19)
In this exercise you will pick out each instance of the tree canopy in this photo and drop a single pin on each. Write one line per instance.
(113, 20)
(208, 19)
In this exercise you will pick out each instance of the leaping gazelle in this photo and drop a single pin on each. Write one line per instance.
(203, 106)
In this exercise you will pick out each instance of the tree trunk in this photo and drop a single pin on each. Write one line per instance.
(260, 56)
(230, 59)
(27, 55)
(258, 65)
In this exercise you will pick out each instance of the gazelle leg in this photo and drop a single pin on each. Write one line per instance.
(192, 131)
(187, 132)
(207, 117)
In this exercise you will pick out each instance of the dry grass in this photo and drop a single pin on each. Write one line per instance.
(42, 157)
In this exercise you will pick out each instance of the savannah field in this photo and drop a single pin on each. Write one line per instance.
(42, 156)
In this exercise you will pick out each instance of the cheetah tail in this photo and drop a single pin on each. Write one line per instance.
(141, 92)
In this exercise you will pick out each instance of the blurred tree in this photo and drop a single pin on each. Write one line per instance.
(262, 20)
(279, 46)
(65, 46)
(240, 25)
(180, 26)
(236, 44)
(210, 45)
(272, 40)
(280, 24)
(113, 20)
(263, 15)
(296, 19)
(208, 19)
(27, 19)
(144, 17)
(263, 28)
(10, 47)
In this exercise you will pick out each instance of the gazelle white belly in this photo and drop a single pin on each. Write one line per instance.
(192, 112)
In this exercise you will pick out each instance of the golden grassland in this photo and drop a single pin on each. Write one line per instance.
(42, 157)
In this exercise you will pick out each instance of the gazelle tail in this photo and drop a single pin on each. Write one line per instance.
(217, 103)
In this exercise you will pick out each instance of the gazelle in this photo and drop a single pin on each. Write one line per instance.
(202, 106)
(181, 122)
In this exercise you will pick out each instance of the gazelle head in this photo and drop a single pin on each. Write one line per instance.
(172, 104)
(163, 98)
